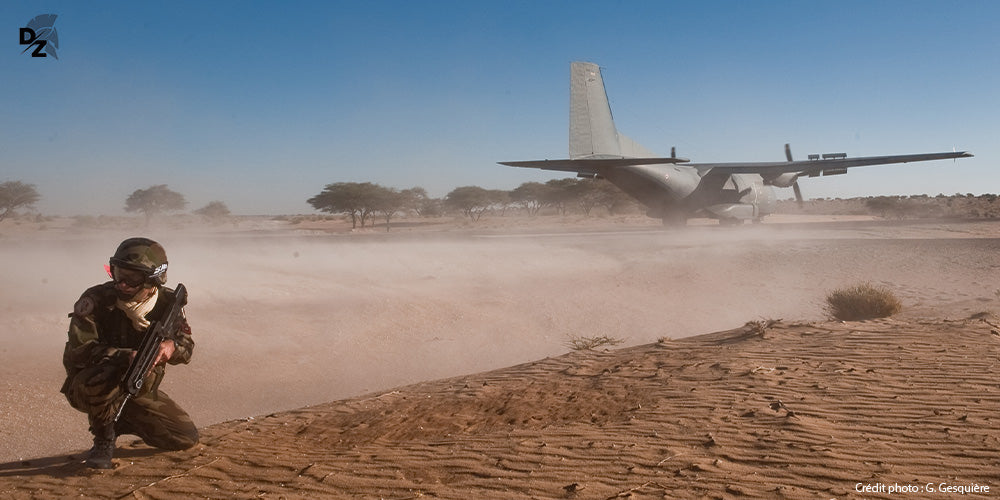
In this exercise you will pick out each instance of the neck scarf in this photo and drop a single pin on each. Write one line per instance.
(138, 309)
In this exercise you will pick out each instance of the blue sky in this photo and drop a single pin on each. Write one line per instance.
(261, 104)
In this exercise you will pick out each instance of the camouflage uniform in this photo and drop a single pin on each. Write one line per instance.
(97, 354)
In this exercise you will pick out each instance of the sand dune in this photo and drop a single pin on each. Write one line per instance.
(808, 410)
(802, 411)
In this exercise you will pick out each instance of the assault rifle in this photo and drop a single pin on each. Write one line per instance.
(142, 363)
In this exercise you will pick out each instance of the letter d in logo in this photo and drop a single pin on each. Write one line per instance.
(30, 38)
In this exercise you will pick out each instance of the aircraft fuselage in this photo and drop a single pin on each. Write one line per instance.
(676, 192)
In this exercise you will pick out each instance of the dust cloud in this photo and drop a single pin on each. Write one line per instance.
(283, 321)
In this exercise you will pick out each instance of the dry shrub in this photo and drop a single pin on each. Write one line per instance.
(585, 343)
(863, 301)
(760, 327)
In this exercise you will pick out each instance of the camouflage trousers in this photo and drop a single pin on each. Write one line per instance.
(153, 416)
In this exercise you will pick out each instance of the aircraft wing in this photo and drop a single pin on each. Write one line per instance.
(591, 165)
(808, 167)
(815, 167)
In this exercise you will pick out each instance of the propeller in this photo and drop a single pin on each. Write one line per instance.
(795, 185)
(798, 193)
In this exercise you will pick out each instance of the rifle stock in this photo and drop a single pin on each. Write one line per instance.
(142, 363)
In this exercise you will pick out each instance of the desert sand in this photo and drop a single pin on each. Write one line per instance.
(434, 363)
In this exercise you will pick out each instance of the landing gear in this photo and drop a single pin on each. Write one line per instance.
(730, 222)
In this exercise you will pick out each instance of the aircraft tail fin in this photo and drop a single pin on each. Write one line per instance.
(592, 131)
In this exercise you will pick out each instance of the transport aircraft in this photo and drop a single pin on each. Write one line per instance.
(674, 189)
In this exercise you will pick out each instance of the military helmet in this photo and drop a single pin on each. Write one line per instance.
(144, 255)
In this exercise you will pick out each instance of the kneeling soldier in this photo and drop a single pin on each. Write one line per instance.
(107, 326)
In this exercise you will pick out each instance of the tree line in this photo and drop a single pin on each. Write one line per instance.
(152, 201)
(363, 201)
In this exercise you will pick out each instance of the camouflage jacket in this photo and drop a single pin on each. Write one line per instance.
(107, 334)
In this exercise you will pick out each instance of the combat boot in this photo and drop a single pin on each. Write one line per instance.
(100, 455)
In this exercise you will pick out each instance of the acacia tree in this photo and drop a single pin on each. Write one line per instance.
(388, 202)
(561, 193)
(591, 193)
(473, 201)
(213, 211)
(430, 207)
(415, 199)
(501, 199)
(15, 195)
(611, 197)
(531, 196)
(353, 198)
(155, 200)
(588, 195)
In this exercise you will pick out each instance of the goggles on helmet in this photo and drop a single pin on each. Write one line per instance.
(130, 277)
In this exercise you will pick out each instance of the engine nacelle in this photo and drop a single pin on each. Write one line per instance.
(783, 180)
